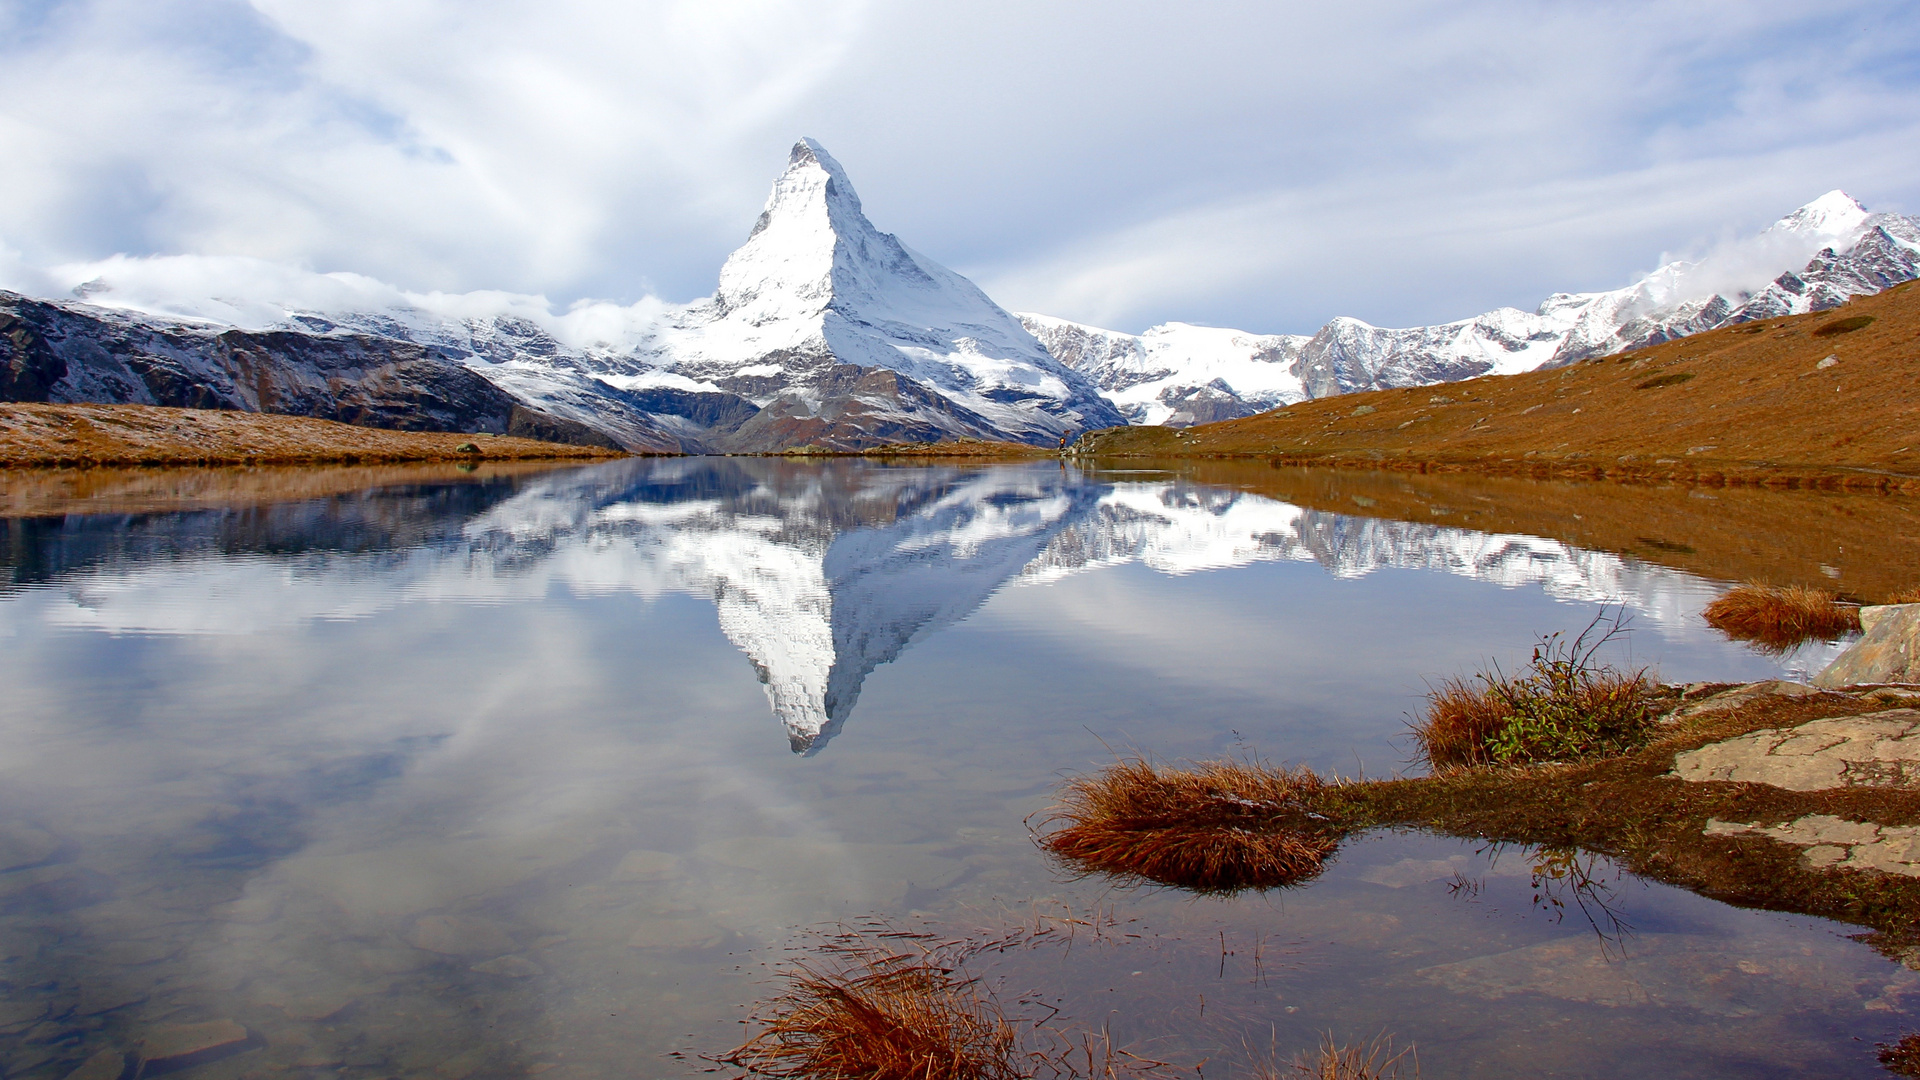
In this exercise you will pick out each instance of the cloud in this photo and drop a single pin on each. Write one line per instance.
(1240, 163)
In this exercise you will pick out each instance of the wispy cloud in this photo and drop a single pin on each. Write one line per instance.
(1239, 163)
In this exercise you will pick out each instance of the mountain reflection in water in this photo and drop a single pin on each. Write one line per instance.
(819, 573)
(429, 773)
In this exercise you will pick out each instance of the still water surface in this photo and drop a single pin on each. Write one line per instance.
(536, 774)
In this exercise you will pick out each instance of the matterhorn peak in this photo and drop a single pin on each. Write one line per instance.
(812, 218)
(1835, 214)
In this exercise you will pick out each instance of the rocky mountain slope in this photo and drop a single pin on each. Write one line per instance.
(1178, 375)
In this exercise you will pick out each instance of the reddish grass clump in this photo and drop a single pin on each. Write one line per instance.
(1901, 1058)
(874, 1014)
(1906, 596)
(1217, 826)
(1461, 720)
(1781, 617)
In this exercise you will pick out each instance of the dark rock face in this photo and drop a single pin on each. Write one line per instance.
(1207, 404)
(53, 353)
(57, 352)
(849, 407)
(532, 424)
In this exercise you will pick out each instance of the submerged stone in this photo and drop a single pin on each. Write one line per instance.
(645, 865)
(1888, 650)
(460, 935)
(105, 1065)
(177, 1046)
(678, 934)
(1874, 750)
(511, 967)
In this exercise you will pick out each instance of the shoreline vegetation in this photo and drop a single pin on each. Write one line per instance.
(1567, 758)
(1628, 807)
(91, 436)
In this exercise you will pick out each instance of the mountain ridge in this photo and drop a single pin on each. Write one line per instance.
(825, 332)
(1176, 374)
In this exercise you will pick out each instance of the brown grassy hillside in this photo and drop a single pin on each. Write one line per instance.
(49, 435)
(1745, 404)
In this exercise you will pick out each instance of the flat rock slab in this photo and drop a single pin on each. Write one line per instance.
(1731, 699)
(1834, 843)
(1888, 650)
(1879, 749)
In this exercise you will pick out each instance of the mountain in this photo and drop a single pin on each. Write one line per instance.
(824, 331)
(1179, 375)
(844, 336)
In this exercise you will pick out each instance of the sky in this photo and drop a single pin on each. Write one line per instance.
(1265, 166)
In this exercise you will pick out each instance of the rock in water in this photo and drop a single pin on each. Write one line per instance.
(460, 935)
(1887, 652)
(105, 1065)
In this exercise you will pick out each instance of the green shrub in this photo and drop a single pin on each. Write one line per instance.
(1564, 705)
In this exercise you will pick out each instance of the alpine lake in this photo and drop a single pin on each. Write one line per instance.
(546, 771)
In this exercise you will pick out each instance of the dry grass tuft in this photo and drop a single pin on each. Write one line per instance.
(1563, 706)
(1904, 596)
(1217, 826)
(869, 1013)
(1462, 718)
(1781, 617)
(1373, 1060)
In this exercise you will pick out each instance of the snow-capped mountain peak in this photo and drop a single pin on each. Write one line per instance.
(818, 299)
(795, 246)
(1835, 215)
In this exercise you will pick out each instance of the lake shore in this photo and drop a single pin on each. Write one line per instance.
(52, 436)
(1768, 795)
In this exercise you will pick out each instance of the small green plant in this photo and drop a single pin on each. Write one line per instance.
(1562, 706)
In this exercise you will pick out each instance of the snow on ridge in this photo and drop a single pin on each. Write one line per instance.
(1830, 249)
